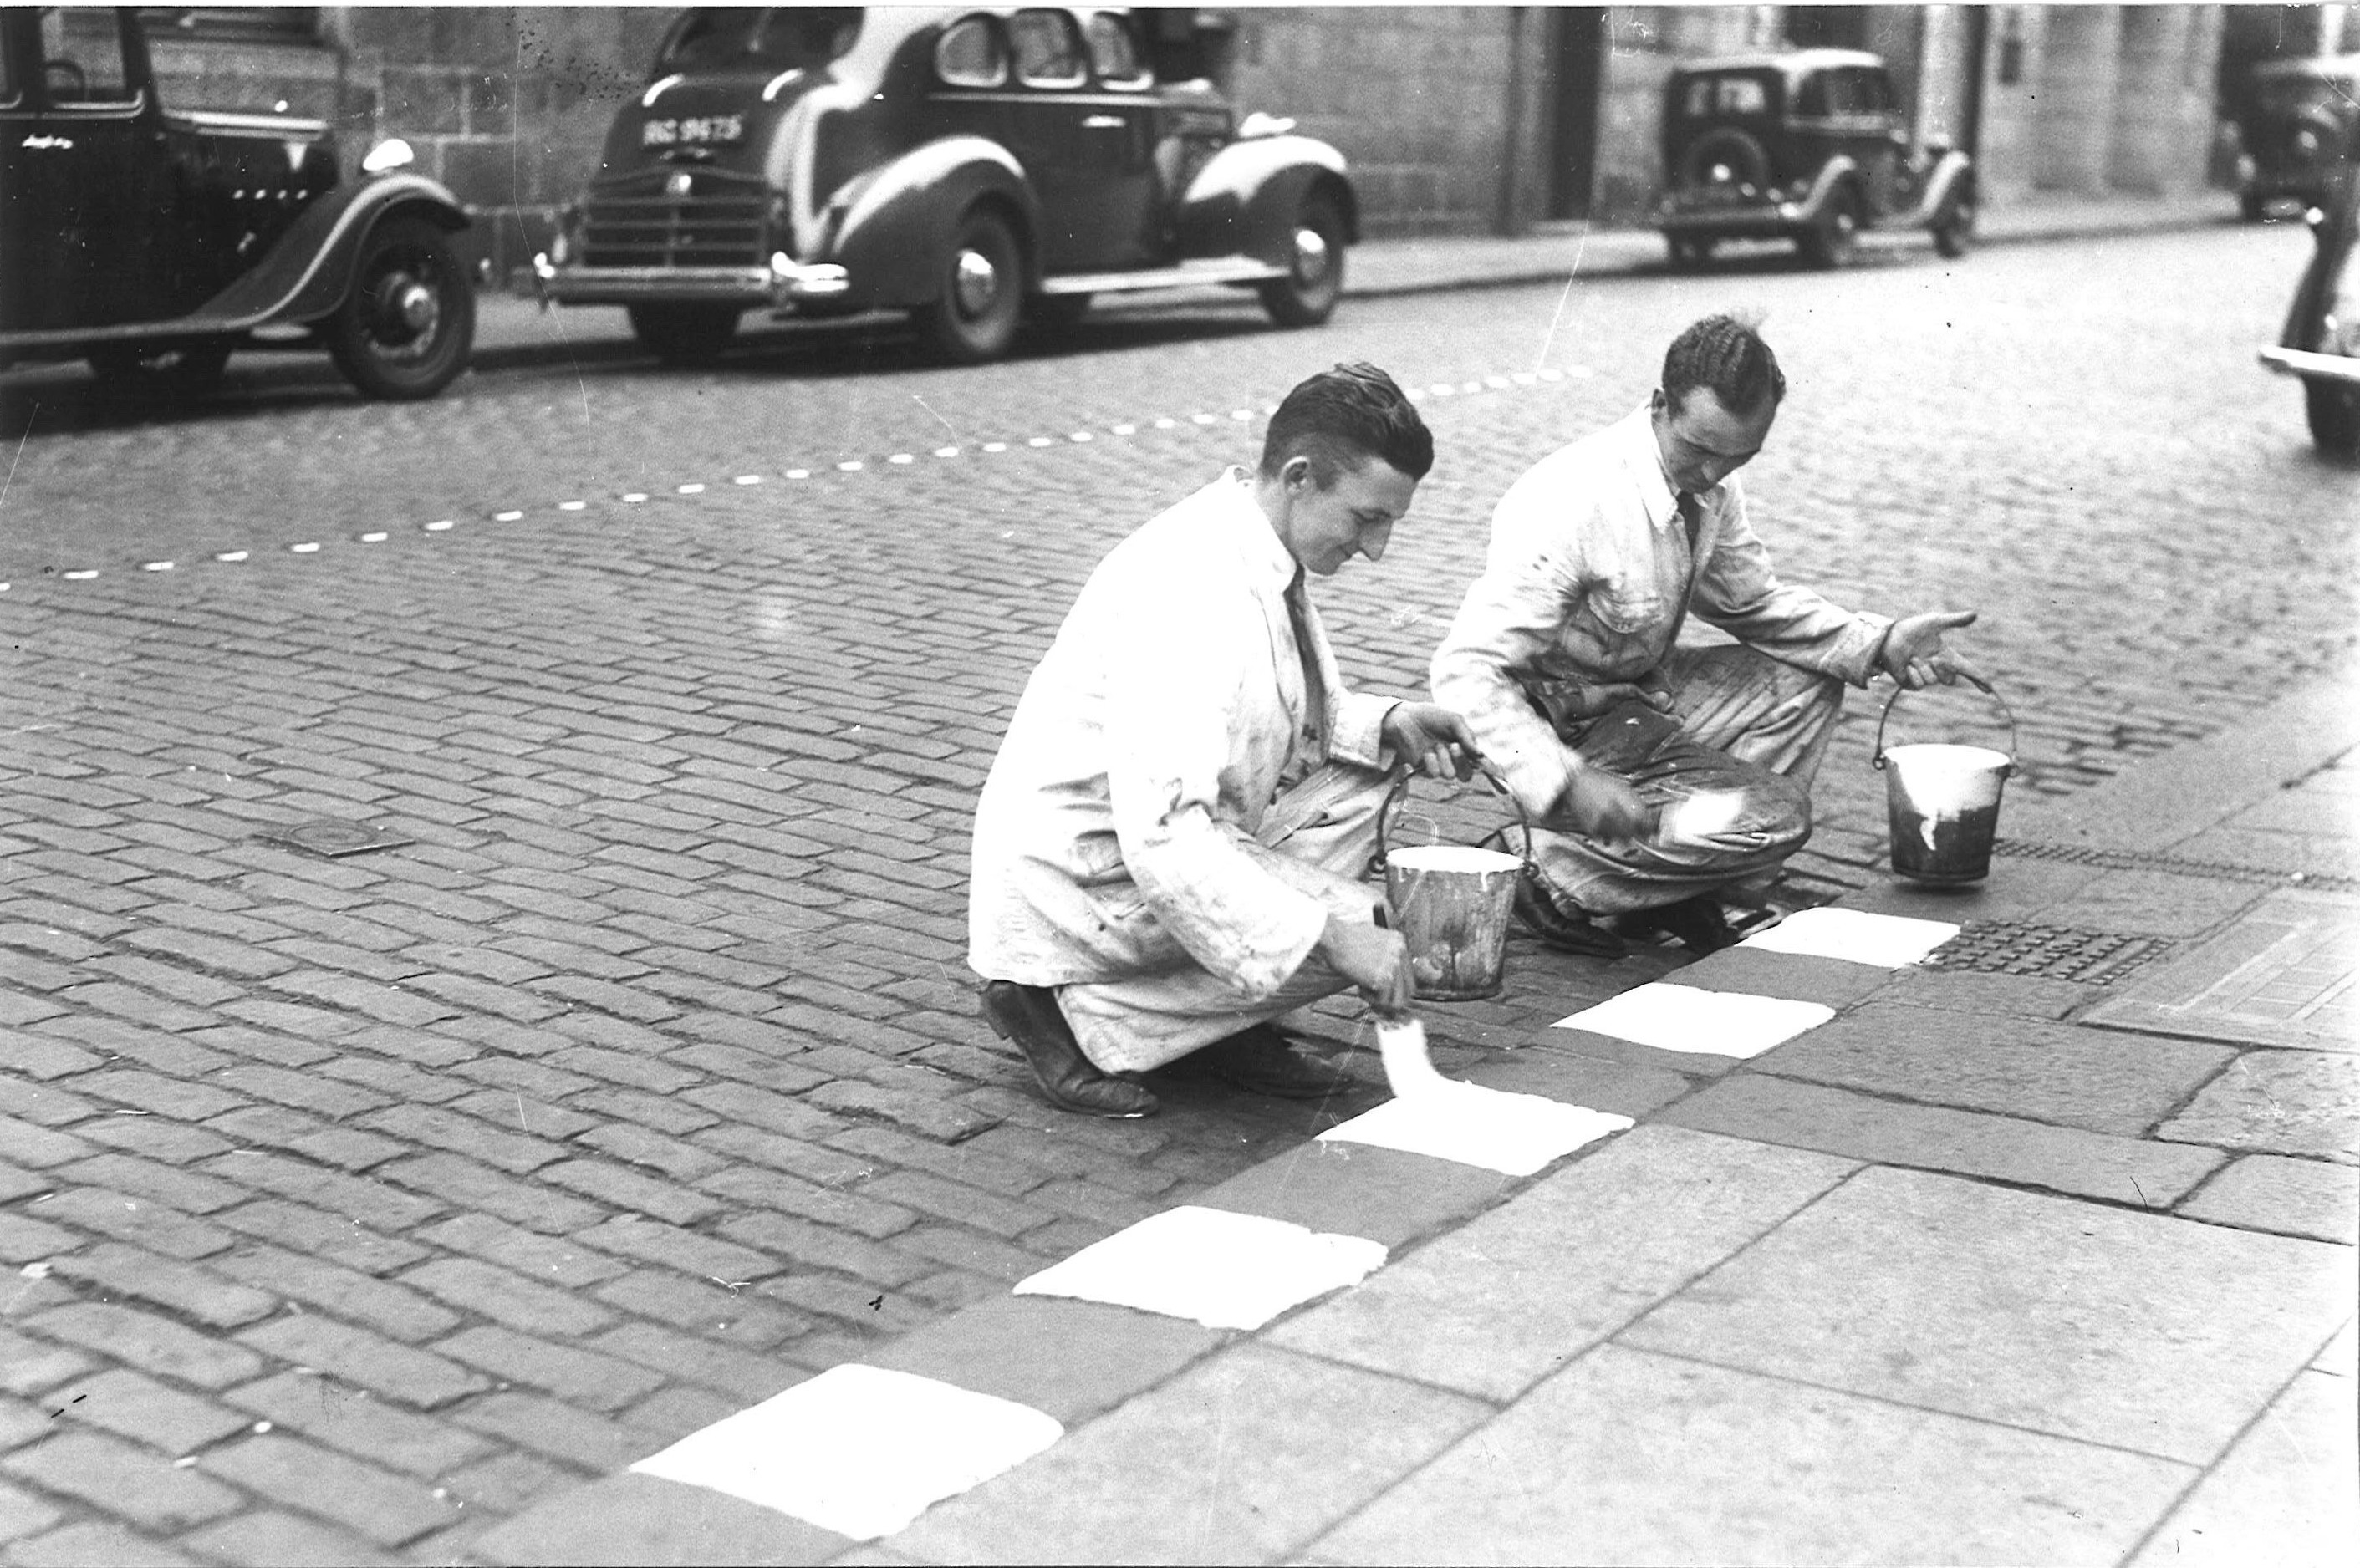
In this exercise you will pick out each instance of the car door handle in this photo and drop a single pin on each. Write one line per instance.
(1103, 122)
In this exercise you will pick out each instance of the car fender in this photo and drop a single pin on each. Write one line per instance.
(1953, 172)
(889, 228)
(307, 273)
(1245, 198)
(1838, 172)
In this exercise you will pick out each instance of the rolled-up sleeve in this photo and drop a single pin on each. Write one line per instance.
(1739, 592)
(1511, 618)
(1175, 695)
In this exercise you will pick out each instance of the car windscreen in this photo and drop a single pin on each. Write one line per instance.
(1722, 94)
(773, 37)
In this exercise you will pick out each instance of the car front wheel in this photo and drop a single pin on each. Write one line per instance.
(974, 318)
(684, 334)
(1307, 296)
(2334, 410)
(1833, 241)
(404, 330)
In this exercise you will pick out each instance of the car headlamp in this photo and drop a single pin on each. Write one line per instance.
(390, 154)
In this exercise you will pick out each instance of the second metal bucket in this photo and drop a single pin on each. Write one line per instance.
(1451, 902)
(1942, 801)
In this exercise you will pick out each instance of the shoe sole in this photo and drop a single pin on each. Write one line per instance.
(1060, 1101)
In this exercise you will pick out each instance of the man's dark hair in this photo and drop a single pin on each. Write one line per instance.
(1341, 418)
(1728, 358)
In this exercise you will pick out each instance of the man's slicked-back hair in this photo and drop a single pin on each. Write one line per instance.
(1341, 418)
(1727, 357)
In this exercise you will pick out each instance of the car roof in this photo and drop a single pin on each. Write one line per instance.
(1793, 63)
(885, 29)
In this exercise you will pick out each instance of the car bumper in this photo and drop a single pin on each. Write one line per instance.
(2338, 367)
(1759, 219)
(782, 284)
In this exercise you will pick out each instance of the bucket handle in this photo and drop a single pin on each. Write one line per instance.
(1400, 790)
(1979, 683)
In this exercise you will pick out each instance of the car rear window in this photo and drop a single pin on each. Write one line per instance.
(1725, 93)
(773, 37)
(1048, 49)
(1114, 54)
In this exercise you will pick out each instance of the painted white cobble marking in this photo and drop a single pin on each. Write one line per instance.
(901, 457)
(850, 465)
(633, 497)
(1039, 441)
(1704, 1023)
(946, 452)
(573, 506)
(376, 536)
(83, 576)
(308, 547)
(441, 526)
(1887, 941)
(1210, 1266)
(235, 556)
(157, 566)
(748, 479)
(995, 446)
(1515, 1135)
(692, 489)
(859, 1450)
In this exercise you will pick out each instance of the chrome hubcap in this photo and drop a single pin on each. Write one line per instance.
(407, 307)
(976, 282)
(1310, 255)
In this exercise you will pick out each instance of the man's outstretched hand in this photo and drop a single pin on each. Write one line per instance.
(1913, 655)
(1373, 958)
(1602, 806)
(1430, 738)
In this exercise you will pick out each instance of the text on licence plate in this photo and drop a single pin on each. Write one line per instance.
(694, 130)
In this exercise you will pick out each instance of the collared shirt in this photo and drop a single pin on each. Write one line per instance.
(1590, 574)
(1173, 705)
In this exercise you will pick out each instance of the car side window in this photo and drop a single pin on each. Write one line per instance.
(81, 53)
(1876, 93)
(1815, 100)
(970, 54)
(1114, 53)
(1048, 48)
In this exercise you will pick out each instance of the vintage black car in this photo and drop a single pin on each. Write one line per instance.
(2320, 344)
(2299, 127)
(967, 166)
(1810, 146)
(153, 242)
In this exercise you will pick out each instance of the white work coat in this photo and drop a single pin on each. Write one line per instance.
(1146, 748)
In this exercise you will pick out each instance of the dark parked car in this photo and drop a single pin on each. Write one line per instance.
(2298, 128)
(2321, 341)
(152, 242)
(1810, 146)
(967, 166)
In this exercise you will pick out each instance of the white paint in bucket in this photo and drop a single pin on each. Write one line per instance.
(1463, 859)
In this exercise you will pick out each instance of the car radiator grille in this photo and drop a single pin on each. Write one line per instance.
(657, 230)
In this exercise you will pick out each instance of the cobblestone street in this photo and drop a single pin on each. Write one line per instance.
(353, 1203)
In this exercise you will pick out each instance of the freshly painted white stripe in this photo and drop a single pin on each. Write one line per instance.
(859, 1450)
(1466, 1123)
(1710, 1023)
(376, 537)
(635, 497)
(1890, 942)
(574, 506)
(443, 526)
(1219, 1269)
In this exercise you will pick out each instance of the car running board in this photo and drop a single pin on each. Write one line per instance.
(1233, 269)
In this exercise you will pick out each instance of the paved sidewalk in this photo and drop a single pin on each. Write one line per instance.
(512, 331)
(2038, 1250)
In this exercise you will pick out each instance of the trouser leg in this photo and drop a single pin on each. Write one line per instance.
(1318, 838)
(1743, 725)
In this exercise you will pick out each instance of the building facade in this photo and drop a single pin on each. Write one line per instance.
(1456, 118)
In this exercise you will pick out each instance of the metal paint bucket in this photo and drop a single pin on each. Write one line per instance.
(1451, 902)
(1942, 801)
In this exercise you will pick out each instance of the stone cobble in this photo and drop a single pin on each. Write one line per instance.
(645, 1080)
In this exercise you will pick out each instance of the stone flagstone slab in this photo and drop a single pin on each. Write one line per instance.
(2285, 1494)
(1887, 941)
(1706, 1023)
(1219, 1269)
(1241, 1459)
(1629, 1458)
(2138, 1331)
(1513, 1133)
(1499, 1303)
(858, 1449)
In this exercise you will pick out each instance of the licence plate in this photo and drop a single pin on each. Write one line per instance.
(694, 130)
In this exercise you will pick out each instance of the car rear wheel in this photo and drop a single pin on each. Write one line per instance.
(1833, 241)
(974, 318)
(2334, 410)
(404, 330)
(1307, 296)
(684, 334)
(178, 371)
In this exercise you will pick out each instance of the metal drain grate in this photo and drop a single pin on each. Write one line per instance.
(2053, 952)
(332, 839)
(2130, 860)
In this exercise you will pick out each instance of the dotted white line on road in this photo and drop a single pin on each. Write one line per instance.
(1081, 436)
(692, 489)
(634, 497)
(444, 526)
(1038, 440)
(506, 517)
(900, 457)
(748, 479)
(230, 555)
(308, 548)
(573, 506)
(157, 566)
(378, 538)
(81, 576)
(799, 474)
(946, 452)
(850, 465)
(995, 446)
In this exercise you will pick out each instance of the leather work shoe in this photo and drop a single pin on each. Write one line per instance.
(1696, 923)
(1538, 913)
(1264, 1061)
(1028, 1016)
